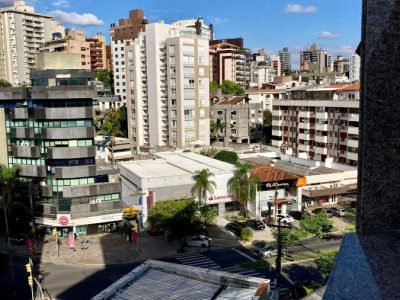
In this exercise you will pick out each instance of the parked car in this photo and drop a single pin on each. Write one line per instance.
(267, 252)
(269, 220)
(234, 227)
(341, 212)
(255, 224)
(298, 215)
(285, 218)
(199, 241)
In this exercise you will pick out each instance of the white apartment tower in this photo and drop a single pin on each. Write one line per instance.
(355, 64)
(22, 32)
(167, 77)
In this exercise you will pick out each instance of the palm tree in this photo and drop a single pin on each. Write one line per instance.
(8, 179)
(243, 185)
(111, 127)
(203, 185)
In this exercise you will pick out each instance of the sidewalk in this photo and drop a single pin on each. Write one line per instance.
(103, 249)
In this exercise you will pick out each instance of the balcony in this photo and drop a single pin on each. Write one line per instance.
(19, 113)
(352, 130)
(91, 190)
(304, 125)
(302, 147)
(322, 127)
(64, 92)
(276, 143)
(277, 132)
(70, 152)
(321, 139)
(26, 151)
(68, 133)
(352, 143)
(321, 150)
(75, 171)
(304, 114)
(66, 113)
(321, 115)
(32, 171)
(354, 117)
(22, 132)
(352, 156)
(13, 93)
(303, 136)
(277, 122)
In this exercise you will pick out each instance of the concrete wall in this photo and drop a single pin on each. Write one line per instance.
(55, 60)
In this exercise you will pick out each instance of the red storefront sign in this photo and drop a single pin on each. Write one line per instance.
(224, 197)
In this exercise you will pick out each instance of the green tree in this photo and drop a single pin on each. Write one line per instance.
(350, 218)
(176, 217)
(230, 88)
(5, 83)
(289, 237)
(267, 118)
(227, 156)
(8, 179)
(209, 152)
(208, 214)
(111, 127)
(246, 234)
(213, 86)
(217, 128)
(316, 225)
(203, 185)
(325, 262)
(106, 77)
(243, 185)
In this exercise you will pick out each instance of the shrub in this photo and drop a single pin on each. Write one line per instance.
(246, 234)
(227, 156)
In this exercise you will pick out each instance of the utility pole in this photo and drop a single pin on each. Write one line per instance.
(278, 265)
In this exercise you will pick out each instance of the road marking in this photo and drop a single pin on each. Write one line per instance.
(244, 255)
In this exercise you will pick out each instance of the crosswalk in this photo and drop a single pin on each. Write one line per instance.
(196, 259)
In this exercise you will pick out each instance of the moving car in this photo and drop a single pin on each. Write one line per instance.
(255, 224)
(199, 241)
(267, 252)
(234, 227)
(285, 218)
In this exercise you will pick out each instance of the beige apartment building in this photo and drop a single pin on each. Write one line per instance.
(316, 122)
(73, 42)
(167, 77)
(22, 33)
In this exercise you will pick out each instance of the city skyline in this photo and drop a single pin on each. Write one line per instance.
(332, 25)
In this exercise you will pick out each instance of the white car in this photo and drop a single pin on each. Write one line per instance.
(267, 252)
(199, 241)
(285, 218)
(341, 212)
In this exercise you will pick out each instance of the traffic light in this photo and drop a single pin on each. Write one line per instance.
(28, 268)
(30, 281)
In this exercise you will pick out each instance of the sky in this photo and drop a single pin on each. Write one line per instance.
(334, 25)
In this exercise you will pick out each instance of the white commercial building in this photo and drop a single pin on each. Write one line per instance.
(22, 33)
(170, 176)
(167, 85)
(355, 65)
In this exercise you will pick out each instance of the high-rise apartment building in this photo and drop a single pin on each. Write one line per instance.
(73, 42)
(167, 76)
(341, 65)
(355, 64)
(284, 58)
(48, 131)
(22, 33)
(318, 122)
(98, 55)
(230, 61)
(314, 60)
(122, 35)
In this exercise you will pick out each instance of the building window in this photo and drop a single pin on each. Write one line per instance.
(188, 60)
(171, 49)
(188, 48)
(172, 60)
(188, 71)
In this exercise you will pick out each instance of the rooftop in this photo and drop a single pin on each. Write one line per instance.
(176, 163)
(161, 280)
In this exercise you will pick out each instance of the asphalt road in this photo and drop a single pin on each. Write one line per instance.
(63, 281)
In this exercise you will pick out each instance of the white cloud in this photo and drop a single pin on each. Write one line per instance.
(61, 3)
(216, 20)
(74, 18)
(299, 9)
(326, 35)
(6, 3)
